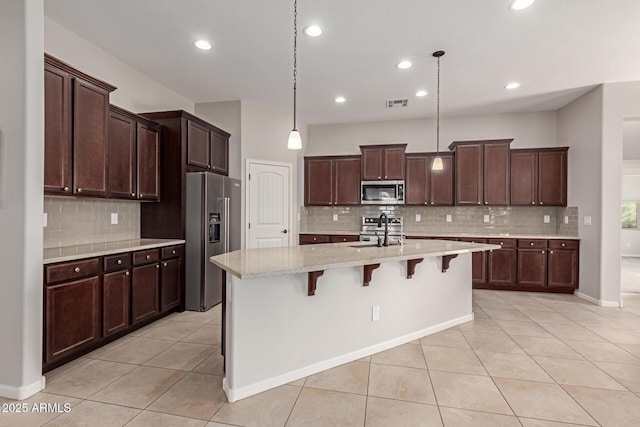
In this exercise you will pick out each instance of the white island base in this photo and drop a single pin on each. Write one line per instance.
(277, 333)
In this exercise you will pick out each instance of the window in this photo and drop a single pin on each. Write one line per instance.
(630, 215)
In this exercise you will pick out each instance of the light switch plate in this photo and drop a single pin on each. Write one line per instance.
(375, 313)
(418, 217)
(335, 217)
(44, 219)
(547, 219)
(486, 218)
(114, 218)
(566, 219)
(449, 218)
(587, 220)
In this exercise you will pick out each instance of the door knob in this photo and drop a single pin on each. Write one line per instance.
(285, 232)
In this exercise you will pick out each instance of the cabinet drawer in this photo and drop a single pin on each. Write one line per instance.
(72, 270)
(146, 257)
(306, 239)
(505, 243)
(339, 238)
(116, 262)
(532, 244)
(563, 244)
(172, 251)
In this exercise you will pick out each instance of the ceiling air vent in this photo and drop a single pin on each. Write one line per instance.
(391, 103)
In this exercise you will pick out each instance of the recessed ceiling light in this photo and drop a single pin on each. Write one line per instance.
(404, 64)
(512, 85)
(520, 4)
(313, 30)
(421, 93)
(340, 99)
(202, 44)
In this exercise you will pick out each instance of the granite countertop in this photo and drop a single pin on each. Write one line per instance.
(254, 263)
(70, 253)
(461, 235)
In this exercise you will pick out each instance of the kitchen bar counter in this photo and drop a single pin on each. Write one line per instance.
(69, 253)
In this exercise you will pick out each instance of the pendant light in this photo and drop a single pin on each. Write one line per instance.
(295, 142)
(437, 162)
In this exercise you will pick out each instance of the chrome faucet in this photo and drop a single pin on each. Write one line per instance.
(386, 229)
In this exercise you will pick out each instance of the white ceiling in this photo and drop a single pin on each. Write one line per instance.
(557, 50)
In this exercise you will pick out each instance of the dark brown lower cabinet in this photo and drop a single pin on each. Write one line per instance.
(170, 284)
(532, 267)
(116, 290)
(144, 292)
(478, 264)
(312, 239)
(501, 263)
(563, 264)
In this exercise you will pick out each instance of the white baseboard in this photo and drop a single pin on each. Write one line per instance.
(241, 393)
(22, 392)
(601, 303)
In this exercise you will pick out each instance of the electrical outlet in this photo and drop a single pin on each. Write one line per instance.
(486, 218)
(418, 217)
(375, 313)
(566, 219)
(587, 220)
(449, 218)
(114, 218)
(44, 219)
(547, 219)
(335, 217)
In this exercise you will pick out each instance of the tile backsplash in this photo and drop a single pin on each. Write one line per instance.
(75, 221)
(464, 219)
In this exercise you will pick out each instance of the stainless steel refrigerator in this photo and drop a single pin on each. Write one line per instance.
(213, 228)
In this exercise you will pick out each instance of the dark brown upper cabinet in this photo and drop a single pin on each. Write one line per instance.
(197, 145)
(482, 172)
(134, 144)
(76, 129)
(424, 186)
(207, 147)
(219, 152)
(539, 176)
(332, 181)
(383, 162)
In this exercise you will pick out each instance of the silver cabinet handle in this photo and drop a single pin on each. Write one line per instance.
(77, 269)
(119, 261)
(66, 188)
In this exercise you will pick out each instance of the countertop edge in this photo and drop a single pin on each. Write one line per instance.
(460, 235)
(151, 245)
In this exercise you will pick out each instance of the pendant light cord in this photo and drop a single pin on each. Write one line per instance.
(295, 58)
(438, 112)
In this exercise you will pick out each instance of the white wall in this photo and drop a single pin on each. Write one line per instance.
(529, 130)
(136, 92)
(21, 197)
(226, 116)
(580, 128)
(630, 243)
(630, 188)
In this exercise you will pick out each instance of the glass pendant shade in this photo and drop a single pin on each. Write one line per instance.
(295, 142)
(437, 164)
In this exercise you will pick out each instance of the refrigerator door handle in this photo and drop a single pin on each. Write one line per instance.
(227, 223)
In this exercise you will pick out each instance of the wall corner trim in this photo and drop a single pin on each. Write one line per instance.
(22, 392)
(601, 303)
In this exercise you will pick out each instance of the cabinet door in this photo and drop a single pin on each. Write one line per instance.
(416, 180)
(122, 157)
(170, 284)
(501, 266)
(148, 163)
(469, 174)
(524, 178)
(496, 174)
(346, 180)
(394, 163)
(318, 182)
(90, 124)
(532, 267)
(563, 267)
(219, 153)
(57, 131)
(144, 292)
(478, 263)
(552, 178)
(197, 145)
(116, 288)
(72, 317)
(441, 182)
(372, 159)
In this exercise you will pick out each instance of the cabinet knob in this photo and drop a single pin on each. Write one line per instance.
(563, 245)
(479, 203)
(431, 202)
(149, 256)
(486, 203)
(315, 238)
(531, 244)
(501, 243)
(77, 269)
(173, 252)
(119, 261)
(66, 189)
(165, 264)
(533, 203)
(139, 196)
(550, 252)
(157, 265)
(542, 203)
(126, 273)
(133, 194)
(79, 190)
(542, 251)
(425, 203)
(379, 177)
(385, 177)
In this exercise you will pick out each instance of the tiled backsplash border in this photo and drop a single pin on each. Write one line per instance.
(464, 219)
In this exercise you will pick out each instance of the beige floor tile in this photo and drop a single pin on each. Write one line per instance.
(603, 352)
(506, 314)
(323, 408)
(270, 408)
(173, 330)
(299, 383)
(493, 342)
(401, 383)
(542, 401)
(349, 378)
(608, 407)
(208, 334)
(526, 328)
(88, 413)
(531, 305)
(32, 418)
(545, 316)
(531, 422)
(87, 379)
(516, 366)
(617, 335)
(195, 396)
(577, 372)
(481, 325)
(592, 319)
(631, 348)
(155, 419)
(67, 367)
(208, 316)
(97, 353)
(182, 356)
(409, 355)
(140, 387)
(219, 425)
(550, 347)
(461, 418)
(473, 392)
(212, 365)
(627, 375)
(448, 338)
(145, 329)
(479, 313)
(387, 412)
(453, 360)
(135, 350)
(570, 331)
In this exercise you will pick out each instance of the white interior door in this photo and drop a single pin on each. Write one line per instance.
(269, 204)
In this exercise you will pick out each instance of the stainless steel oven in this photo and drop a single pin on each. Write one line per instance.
(382, 193)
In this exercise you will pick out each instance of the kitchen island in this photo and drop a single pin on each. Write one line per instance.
(295, 311)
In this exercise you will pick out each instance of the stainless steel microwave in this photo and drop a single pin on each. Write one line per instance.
(382, 193)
